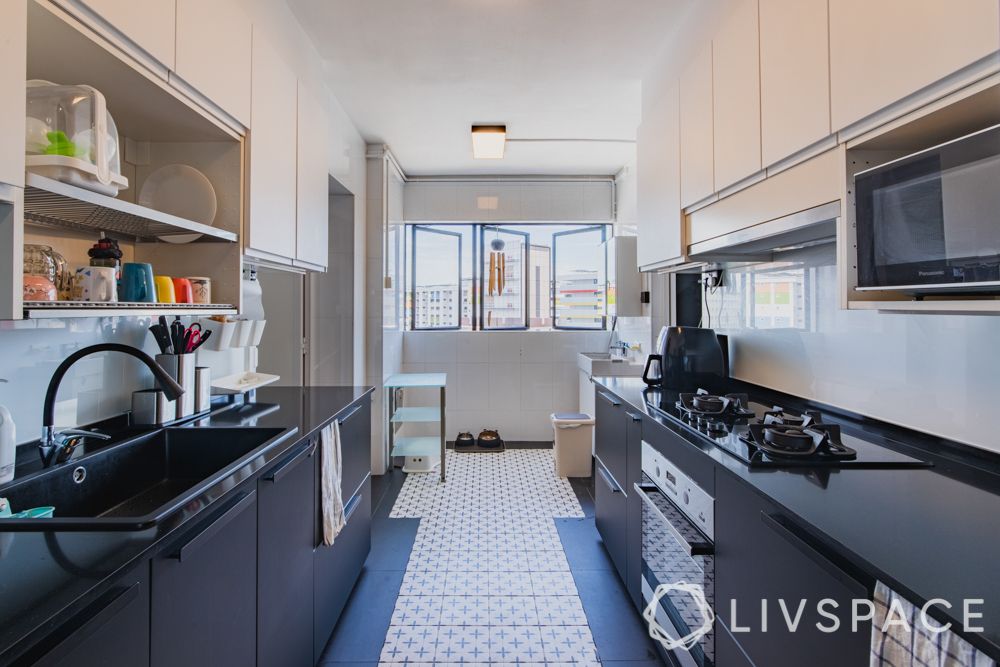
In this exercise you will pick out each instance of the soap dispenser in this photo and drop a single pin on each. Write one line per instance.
(8, 444)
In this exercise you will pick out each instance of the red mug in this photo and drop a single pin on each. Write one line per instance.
(182, 290)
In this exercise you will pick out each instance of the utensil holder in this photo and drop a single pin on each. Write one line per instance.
(150, 407)
(202, 388)
(258, 332)
(243, 333)
(222, 334)
(182, 369)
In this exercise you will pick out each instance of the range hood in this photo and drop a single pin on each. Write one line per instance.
(760, 242)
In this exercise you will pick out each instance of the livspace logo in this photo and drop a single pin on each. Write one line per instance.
(897, 618)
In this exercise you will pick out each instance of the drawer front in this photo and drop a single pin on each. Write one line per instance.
(336, 568)
(760, 554)
(355, 444)
(611, 518)
(611, 434)
(204, 591)
(728, 652)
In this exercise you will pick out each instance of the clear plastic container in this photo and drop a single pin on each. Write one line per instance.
(71, 137)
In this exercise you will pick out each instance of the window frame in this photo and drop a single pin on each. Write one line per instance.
(484, 228)
(413, 277)
(555, 262)
(478, 250)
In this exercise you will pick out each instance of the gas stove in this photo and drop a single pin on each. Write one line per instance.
(764, 435)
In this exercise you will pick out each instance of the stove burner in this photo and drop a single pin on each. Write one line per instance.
(791, 438)
(777, 415)
(703, 405)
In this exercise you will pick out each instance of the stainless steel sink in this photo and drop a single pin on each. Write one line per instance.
(603, 364)
(138, 483)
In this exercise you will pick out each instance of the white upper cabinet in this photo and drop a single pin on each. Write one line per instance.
(270, 230)
(313, 184)
(883, 51)
(148, 23)
(696, 128)
(736, 95)
(794, 76)
(213, 53)
(658, 175)
(13, 45)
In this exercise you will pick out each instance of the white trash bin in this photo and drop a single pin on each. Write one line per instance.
(572, 443)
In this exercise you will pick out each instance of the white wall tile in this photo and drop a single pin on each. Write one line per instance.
(505, 386)
(536, 346)
(472, 383)
(536, 425)
(536, 386)
(565, 387)
(470, 346)
(505, 346)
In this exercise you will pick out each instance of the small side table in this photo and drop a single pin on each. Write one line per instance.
(417, 445)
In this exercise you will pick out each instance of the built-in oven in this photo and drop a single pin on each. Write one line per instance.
(678, 529)
(930, 221)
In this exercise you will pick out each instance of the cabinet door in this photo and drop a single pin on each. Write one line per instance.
(633, 508)
(213, 53)
(337, 567)
(273, 114)
(794, 76)
(355, 444)
(658, 175)
(882, 51)
(148, 23)
(611, 518)
(113, 631)
(736, 95)
(312, 190)
(697, 177)
(204, 608)
(285, 560)
(763, 555)
(610, 434)
(13, 45)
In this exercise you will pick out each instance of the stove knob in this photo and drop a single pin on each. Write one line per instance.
(687, 498)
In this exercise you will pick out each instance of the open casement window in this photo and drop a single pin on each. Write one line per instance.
(503, 284)
(436, 286)
(579, 279)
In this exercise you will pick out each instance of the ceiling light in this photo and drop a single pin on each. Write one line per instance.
(488, 141)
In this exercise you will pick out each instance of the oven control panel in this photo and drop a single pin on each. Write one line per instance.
(696, 503)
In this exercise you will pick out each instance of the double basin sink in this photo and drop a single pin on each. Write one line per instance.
(139, 483)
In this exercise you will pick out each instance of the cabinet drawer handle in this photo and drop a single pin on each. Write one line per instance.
(90, 620)
(609, 398)
(351, 507)
(607, 480)
(634, 416)
(286, 466)
(204, 535)
(350, 414)
(790, 533)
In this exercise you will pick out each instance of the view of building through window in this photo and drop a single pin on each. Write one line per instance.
(490, 277)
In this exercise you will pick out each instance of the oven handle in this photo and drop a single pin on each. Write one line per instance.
(704, 548)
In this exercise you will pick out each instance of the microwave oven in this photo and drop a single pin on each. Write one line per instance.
(930, 222)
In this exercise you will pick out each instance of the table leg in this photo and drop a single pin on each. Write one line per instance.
(444, 432)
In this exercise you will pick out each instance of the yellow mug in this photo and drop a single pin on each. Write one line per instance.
(164, 289)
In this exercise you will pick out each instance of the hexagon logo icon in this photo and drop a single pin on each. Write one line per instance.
(660, 634)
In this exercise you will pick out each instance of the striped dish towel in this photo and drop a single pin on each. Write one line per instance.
(916, 645)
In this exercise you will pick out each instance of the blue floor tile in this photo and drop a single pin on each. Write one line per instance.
(392, 541)
(582, 544)
(361, 631)
(619, 631)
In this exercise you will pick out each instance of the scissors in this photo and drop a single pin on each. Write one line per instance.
(192, 337)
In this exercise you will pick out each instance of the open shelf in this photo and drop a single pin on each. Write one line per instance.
(37, 310)
(423, 445)
(54, 204)
(421, 415)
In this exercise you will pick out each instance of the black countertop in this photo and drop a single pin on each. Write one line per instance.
(47, 578)
(928, 533)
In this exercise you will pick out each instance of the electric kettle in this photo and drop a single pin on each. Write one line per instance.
(686, 359)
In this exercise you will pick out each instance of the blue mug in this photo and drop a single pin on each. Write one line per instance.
(136, 283)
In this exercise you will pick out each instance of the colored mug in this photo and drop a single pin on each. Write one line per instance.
(182, 290)
(95, 283)
(202, 289)
(165, 289)
(137, 283)
(39, 288)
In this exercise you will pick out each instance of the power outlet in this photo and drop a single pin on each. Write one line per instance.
(712, 279)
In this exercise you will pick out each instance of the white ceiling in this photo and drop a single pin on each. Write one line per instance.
(416, 74)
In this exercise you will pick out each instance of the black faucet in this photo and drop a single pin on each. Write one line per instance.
(56, 447)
